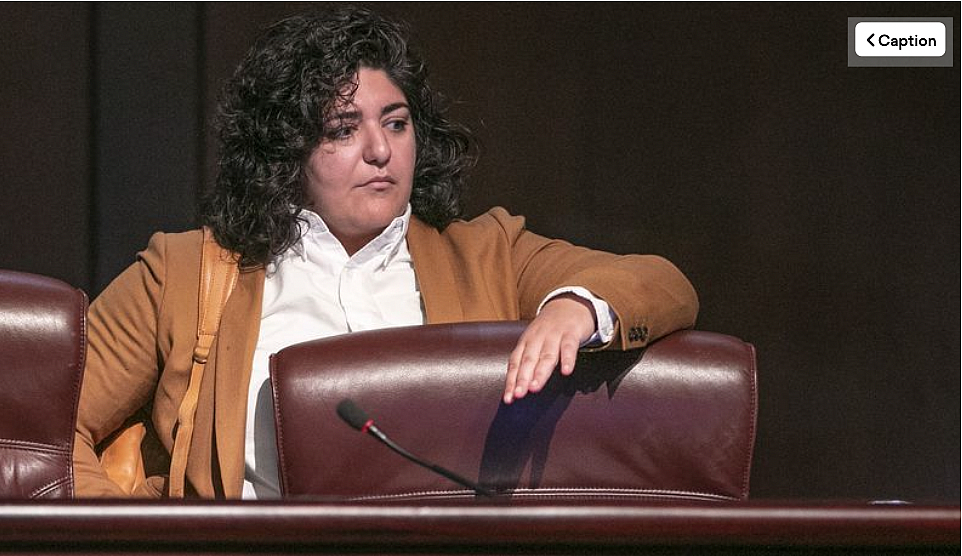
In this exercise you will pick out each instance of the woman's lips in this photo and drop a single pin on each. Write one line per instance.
(379, 182)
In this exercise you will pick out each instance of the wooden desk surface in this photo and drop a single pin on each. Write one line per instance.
(468, 527)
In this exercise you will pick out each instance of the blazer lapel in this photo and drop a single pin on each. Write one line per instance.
(239, 328)
(435, 273)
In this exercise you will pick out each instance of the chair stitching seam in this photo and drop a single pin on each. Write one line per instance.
(616, 492)
(746, 469)
(9, 444)
(41, 490)
(78, 384)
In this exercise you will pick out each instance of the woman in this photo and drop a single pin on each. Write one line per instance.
(339, 194)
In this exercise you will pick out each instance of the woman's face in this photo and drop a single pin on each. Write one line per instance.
(360, 176)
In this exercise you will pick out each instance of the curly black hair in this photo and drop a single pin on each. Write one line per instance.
(272, 116)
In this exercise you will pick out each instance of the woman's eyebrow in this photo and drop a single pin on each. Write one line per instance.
(345, 115)
(394, 106)
(356, 114)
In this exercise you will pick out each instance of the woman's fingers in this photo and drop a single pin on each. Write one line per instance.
(552, 338)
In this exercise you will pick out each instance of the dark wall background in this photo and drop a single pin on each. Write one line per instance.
(814, 206)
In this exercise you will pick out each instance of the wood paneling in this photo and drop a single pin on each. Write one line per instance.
(45, 140)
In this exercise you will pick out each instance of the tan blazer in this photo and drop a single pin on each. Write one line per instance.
(142, 328)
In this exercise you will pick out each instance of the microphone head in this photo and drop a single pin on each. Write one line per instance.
(352, 414)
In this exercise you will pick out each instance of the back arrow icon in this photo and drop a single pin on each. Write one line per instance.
(869, 39)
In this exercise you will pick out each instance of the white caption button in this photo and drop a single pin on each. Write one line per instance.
(900, 38)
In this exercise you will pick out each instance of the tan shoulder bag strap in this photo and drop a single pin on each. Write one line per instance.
(218, 275)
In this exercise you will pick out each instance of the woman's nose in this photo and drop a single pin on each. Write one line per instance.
(377, 150)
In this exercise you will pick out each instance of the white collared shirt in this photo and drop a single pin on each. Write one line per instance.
(315, 290)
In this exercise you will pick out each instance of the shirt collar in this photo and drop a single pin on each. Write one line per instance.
(314, 232)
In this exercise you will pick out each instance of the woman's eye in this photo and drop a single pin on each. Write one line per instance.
(340, 133)
(397, 125)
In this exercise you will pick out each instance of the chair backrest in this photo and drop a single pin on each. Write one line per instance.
(42, 349)
(675, 420)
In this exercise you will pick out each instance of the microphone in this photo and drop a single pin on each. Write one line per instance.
(358, 419)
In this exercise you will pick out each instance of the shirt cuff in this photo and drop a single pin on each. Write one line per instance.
(604, 316)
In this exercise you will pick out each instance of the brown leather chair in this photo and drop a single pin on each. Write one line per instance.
(673, 421)
(42, 348)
